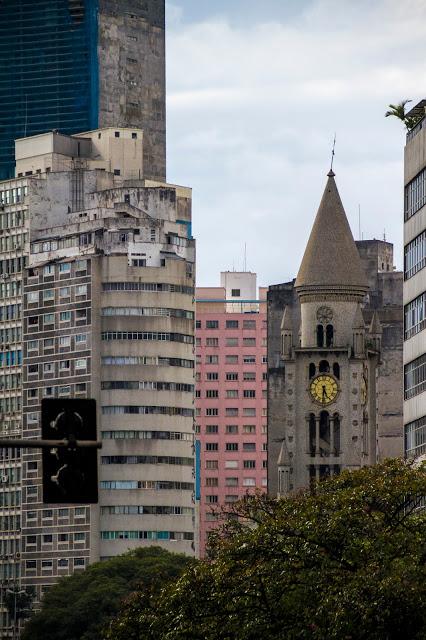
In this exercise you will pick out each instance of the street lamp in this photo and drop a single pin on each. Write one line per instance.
(15, 592)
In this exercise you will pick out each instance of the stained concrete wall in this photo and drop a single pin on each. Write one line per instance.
(132, 83)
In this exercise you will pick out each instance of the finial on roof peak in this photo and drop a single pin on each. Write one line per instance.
(331, 174)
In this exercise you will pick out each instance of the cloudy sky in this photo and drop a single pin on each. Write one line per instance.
(256, 91)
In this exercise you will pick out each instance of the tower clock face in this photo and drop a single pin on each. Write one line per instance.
(324, 389)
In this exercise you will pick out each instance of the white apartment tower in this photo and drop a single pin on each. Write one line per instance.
(415, 285)
(97, 300)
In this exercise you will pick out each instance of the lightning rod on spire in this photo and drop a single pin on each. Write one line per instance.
(332, 154)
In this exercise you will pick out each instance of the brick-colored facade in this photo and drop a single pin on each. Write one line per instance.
(231, 400)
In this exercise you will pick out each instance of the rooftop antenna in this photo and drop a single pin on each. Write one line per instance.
(384, 235)
(332, 155)
(245, 257)
(359, 222)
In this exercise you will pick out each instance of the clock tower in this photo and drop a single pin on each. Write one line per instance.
(327, 370)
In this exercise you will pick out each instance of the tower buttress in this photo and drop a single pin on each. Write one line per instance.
(286, 334)
(358, 328)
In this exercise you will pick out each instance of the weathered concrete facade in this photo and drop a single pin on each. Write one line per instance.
(132, 74)
(102, 306)
(363, 359)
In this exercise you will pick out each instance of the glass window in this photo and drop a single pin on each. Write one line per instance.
(32, 297)
(48, 294)
(231, 428)
(212, 428)
(64, 292)
(48, 270)
(64, 341)
(81, 290)
(80, 265)
(64, 267)
(48, 318)
(212, 324)
(65, 316)
(81, 363)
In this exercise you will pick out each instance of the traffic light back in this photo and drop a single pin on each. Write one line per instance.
(70, 473)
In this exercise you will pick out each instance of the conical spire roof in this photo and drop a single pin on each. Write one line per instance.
(358, 322)
(283, 456)
(331, 259)
(375, 326)
(286, 320)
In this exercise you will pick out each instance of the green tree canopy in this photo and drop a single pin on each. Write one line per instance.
(342, 561)
(79, 606)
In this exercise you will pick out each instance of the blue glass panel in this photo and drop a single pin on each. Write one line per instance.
(48, 70)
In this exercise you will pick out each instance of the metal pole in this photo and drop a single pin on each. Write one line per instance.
(14, 618)
(50, 444)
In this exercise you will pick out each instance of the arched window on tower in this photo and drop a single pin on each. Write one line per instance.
(329, 335)
(324, 433)
(320, 335)
(312, 434)
(336, 370)
(312, 370)
(336, 434)
(324, 367)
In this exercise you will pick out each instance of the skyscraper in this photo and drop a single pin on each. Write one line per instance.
(100, 303)
(231, 394)
(415, 285)
(77, 65)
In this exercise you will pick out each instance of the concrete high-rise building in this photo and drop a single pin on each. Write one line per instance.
(415, 285)
(334, 356)
(80, 65)
(97, 272)
(231, 401)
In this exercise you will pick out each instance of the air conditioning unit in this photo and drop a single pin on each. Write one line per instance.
(17, 555)
(4, 479)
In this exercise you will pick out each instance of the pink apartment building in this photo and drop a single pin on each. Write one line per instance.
(231, 398)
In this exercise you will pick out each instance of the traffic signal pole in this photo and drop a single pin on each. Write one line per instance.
(48, 444)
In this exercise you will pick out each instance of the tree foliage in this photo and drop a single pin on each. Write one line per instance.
(78, 607)
(399, 111)
(342, 561)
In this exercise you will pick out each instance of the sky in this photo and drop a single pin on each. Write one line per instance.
(256, 91)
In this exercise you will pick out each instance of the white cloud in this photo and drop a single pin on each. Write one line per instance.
(252, 111)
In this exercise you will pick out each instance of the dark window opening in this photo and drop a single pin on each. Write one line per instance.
(324, 433)
(336, 435)
(336, 370)
(312, 434)
(329, 335)
(324, 367)
(312, 370)
(320, 335)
